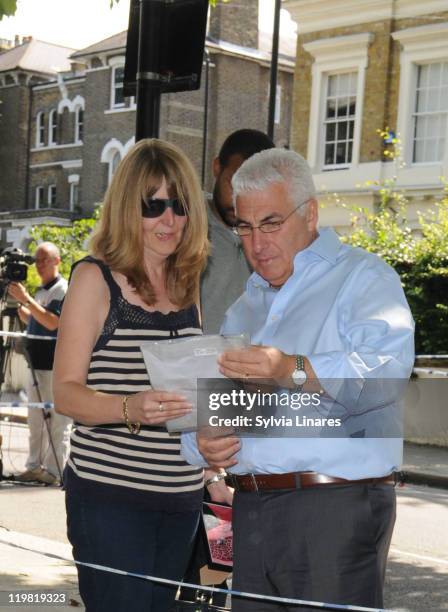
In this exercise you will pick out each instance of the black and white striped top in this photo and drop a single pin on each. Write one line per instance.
(150, 462)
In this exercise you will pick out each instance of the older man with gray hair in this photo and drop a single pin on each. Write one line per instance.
(49, 431)
(313, 516)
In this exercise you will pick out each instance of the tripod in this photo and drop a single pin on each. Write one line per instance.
(10, 322)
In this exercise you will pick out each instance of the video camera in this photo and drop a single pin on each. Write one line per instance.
(13, 266)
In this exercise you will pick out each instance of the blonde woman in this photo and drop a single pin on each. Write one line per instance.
(132, 501)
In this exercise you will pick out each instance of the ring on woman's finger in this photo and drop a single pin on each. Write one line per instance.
(160, 406)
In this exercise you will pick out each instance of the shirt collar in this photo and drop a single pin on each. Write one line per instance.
(326, 246)
(51, 283)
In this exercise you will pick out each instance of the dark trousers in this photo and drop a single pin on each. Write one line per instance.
(131, 538)
(326, 543)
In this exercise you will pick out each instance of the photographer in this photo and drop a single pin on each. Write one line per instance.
(41, 315)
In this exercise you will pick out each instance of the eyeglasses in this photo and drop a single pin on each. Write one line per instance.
(42, 260)
(153, 208)
(267, 227)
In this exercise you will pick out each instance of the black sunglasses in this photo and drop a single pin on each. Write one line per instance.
(155, 207)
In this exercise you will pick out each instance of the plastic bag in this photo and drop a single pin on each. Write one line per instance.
(176, 365)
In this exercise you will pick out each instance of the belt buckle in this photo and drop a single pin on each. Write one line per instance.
(254, 482)
(298, 479)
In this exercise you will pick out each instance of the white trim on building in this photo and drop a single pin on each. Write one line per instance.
(341, 54)
(420, 45)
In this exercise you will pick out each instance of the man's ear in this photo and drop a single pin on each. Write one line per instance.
(312, 214)
(216, 167)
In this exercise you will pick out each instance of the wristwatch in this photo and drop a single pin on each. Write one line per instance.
(215, 478)
(299, 374)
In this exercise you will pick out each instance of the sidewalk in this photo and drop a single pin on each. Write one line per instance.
(427, 465)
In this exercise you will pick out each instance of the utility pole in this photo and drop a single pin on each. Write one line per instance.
(274, 68)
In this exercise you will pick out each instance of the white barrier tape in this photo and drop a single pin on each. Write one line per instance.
(41, 405)
(283, 600)
(442, 373)
(25, 335)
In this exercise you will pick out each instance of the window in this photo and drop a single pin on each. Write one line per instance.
(51, 196)
(117, 86)
(39, 197)
(74, 195)
(423, 96)
(40, 129)
(113, 164)
(53, 127)
(339, 119)
(79, 124)
(337, 97)
(73, 181)
(430, 114)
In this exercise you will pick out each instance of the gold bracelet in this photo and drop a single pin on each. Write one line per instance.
(134, 428)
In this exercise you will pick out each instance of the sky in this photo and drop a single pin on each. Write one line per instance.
(79, 23)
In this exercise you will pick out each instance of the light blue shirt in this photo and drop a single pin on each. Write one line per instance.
(345, 310)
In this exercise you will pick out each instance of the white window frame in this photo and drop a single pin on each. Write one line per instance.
(52, 127)
(40, 129)
(115, 63)
(322, 142)
(39, 194)
(420, 45)
(340, 54)
(109, 151)
(278, 104)
(78, 123)
(73, 181)
(49, 192)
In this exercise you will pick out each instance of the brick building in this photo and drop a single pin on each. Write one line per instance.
(65, 127)
(363, 65)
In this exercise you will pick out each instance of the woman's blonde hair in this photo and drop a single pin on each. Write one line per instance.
(118, 239)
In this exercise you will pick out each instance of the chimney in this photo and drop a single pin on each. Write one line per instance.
(235, 22)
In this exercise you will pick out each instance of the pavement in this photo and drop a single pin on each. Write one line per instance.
(30, 562)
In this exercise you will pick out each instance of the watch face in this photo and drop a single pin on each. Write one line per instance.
(299, 377)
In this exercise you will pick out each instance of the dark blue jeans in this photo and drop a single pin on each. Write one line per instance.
(131, 538)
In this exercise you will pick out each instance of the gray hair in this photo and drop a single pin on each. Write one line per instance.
(50, 247)
(275, 166)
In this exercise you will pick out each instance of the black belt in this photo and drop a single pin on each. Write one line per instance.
(295, 480)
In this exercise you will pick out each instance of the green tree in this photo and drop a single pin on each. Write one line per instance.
(71, 241)
(419, 255)
(7, 8)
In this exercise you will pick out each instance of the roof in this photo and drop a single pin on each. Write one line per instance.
(36, 56)
(117, 41)
(247, 52)
(287, 47)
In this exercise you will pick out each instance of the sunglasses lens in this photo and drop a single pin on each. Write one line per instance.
(178, 208)
(152, 208)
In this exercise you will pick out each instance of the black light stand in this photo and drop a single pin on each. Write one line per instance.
(6, 349)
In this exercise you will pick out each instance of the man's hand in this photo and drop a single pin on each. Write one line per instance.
(18, 292)
(257, 362)
(42, 315)
(218, 451)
